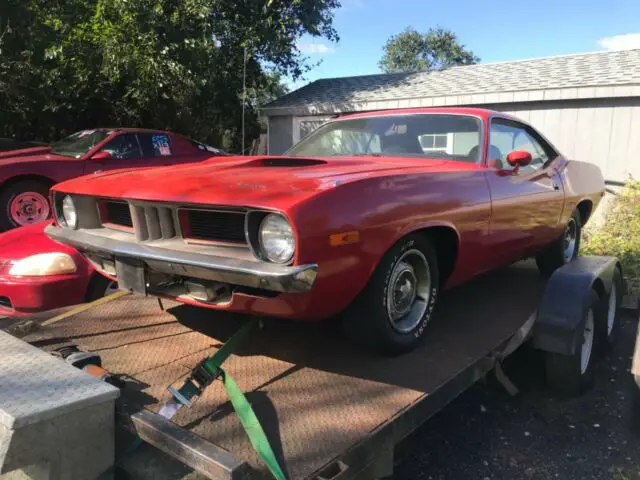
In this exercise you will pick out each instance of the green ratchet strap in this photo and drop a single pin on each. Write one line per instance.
(204, 374)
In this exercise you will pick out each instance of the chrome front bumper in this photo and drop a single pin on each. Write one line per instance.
(267, 276)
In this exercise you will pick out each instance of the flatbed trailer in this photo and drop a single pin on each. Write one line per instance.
(329, 410)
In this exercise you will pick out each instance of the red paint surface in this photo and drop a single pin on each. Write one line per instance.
(496, 217)
(34, 294)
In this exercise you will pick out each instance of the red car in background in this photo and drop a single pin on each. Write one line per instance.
(27, 174)
(38, 274)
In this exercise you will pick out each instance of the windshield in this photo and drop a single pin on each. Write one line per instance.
(452, 137)
(78, 144)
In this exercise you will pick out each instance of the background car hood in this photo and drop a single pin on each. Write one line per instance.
(257, 181)
(24, 152)
(23, 242)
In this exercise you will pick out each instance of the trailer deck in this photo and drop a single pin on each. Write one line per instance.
(329, 410)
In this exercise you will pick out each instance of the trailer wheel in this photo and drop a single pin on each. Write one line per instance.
(391, 313)
(573, 374)
(610, 317)
(564, 249)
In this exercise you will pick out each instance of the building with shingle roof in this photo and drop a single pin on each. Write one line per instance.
(587, 104)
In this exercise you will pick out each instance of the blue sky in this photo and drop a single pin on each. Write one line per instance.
(494, 30)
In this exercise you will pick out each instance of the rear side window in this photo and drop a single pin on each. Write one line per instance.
(155, 144)
(124, 146)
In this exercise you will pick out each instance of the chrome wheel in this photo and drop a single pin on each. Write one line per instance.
(408, 291)
(611, 313)
(28, 208)
(587, 342)
(570, 240)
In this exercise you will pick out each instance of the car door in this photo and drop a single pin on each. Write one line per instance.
(124, 152)
(526, 201)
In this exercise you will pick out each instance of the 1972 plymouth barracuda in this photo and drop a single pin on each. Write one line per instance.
(371, 215)
(38, 274)
(27, 174)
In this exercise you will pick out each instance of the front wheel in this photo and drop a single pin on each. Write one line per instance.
(391, 313)
(563, 250)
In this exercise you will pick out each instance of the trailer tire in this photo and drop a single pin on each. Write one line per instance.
(574, 374)
(557, 253)
(406, 280)
(610, 318)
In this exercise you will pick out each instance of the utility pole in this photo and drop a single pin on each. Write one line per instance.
(244, 92)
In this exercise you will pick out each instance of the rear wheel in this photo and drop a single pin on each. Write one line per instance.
(563, 250)
(391, 313)
(24, 203)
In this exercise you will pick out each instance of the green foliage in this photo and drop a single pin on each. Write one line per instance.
(171, 64)
(620, 234)
(437, 49)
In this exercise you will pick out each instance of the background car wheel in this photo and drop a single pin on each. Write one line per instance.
(99, 287)
(573, 374)
(24, 203)
(391, 313)
(564, 249)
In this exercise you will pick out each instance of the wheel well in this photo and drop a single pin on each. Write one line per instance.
(584, 207)
(19, 178)
(445, 241)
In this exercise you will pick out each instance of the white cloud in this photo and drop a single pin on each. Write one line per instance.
(319, 48)
(621, 42)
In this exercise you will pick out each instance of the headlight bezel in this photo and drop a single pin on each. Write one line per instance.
(253, 227)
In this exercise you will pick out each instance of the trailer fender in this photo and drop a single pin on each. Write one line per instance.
(562, 312)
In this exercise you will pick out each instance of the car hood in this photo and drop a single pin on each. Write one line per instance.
(252, 181)
(24, 152)
(23, 242)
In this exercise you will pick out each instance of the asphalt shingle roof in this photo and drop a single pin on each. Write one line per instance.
(615, 68)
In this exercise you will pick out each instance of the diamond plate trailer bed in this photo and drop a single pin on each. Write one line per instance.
(329, 411)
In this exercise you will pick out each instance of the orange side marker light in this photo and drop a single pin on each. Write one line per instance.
(344, 238)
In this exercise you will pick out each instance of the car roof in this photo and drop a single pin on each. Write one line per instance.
(477, 112)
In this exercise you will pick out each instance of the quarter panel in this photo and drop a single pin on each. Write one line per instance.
(582, 181)
(383, 210)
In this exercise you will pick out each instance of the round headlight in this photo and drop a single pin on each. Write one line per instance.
(277, 241)
(69, 212)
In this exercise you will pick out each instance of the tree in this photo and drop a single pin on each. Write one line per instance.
(177, 65)
(437, 49)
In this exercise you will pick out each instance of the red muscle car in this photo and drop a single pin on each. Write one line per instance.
(372, 215)
(27, 174)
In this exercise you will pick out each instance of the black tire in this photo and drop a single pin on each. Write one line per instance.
(564, 373)
(11, 192)
(609, 318)
(97, 287)
(553, 256)
(367, 320)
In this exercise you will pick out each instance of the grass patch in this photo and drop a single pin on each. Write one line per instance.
(619, 236)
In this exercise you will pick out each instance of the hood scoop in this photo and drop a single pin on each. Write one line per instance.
(287, 162)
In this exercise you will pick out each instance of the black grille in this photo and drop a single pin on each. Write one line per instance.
(216, 226)
(118, 213)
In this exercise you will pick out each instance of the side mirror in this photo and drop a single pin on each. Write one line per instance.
(519, 158)
(103, 155)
